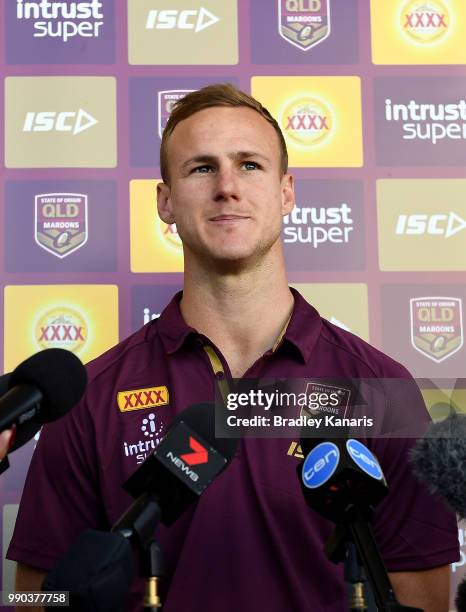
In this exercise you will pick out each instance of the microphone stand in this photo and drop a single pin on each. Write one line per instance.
(138, 524)
(356, 530)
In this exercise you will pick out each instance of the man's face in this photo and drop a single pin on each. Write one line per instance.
(226, 195)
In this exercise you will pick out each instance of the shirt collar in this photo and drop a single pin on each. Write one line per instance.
(302, 332)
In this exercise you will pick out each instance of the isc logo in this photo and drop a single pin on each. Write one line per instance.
(440, 224)
(66, 121)
(197, 19)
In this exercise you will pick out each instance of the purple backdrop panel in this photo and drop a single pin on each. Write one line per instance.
(41, 33)
(148, 301)
(423, 327)
(304, 32)
(60, 226)
(420, 121)
(150, 102)
(325, 231)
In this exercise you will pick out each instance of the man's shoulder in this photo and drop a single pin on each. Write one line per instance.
(355, 348)
(124, 354)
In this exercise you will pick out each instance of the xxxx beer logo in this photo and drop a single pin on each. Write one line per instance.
(138, 399)
(307, 121)
(170, 236)
(436, 326)
(61, 222)
(425, 21)
(304, 23)
(166, 101)
(62, 327)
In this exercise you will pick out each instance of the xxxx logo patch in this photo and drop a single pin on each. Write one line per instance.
(138, 399)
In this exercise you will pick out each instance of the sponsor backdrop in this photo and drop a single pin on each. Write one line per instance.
(371, 98)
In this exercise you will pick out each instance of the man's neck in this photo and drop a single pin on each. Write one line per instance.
(243, 314)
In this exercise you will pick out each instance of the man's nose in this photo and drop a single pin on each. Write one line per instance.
(226, 184)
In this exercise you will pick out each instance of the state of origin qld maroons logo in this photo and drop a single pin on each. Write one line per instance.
(436, 326)
(304, 23)
(61, 225)
(166, 101)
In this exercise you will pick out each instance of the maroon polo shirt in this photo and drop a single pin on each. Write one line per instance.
(250, 542)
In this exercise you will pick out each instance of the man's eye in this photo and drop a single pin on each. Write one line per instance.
(202, 169)
(250, 165)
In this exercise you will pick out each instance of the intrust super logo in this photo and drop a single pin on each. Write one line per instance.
(62, 327)
(63, 20)
(139, 399)
(436, 326)
(307, 121)
(320, 117)
(422, 224)
(420, 121)
(317, 226)
(428, 121)
(425, 21)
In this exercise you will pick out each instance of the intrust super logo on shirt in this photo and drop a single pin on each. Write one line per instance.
(155, 246)
(138, 399)
(320, 117)
(418, 32)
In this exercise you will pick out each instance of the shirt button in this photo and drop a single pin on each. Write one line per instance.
(220, 375)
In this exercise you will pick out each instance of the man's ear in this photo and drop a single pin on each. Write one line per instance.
(164, 203)
(288, 195)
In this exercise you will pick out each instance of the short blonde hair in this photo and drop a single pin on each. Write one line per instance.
(219, 94)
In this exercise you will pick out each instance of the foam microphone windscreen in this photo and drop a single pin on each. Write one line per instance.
(58, 374)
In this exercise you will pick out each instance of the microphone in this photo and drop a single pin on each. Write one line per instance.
(183, 465)
(42, 388)
(343, 481)
(460, 599)
(338, 473)
(439, 460)
(97, 571)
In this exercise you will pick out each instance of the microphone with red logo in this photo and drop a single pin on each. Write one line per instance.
(184, 463)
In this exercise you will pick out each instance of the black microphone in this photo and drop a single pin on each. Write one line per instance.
(42, 389)
(460, 599)
(439, 460)
(97, 571)
(183, 465)
(337, 473)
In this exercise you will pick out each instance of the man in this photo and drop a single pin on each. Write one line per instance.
(250, 542)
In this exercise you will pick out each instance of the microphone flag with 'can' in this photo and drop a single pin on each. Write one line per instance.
(338, 473)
